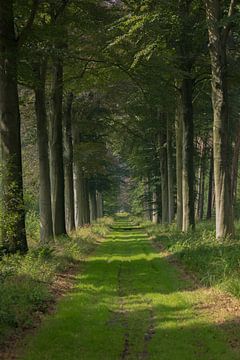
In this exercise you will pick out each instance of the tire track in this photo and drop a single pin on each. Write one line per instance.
(123, 315)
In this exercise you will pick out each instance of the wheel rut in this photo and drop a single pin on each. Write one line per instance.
(125, 284)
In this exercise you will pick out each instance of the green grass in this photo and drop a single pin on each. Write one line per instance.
(214, 262)
(129, 303)
(25, 281)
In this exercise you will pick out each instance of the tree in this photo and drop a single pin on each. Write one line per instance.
(68, 164)
(45, 209)
(218, 37)
(12, 204)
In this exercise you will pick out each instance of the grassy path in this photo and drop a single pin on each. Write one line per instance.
(128, 304)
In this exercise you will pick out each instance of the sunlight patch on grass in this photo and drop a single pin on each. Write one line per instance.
(129, 294)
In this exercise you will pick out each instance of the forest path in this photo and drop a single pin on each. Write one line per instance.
(129, 303)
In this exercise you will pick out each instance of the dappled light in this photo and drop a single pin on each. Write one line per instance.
(129, 293)
(119, 180)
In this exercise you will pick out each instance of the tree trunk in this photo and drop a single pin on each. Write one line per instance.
(164, 177)
(170, 174)
(221, 123)
(201, 202)
(81, 192)
(201, 183)
(155, 215)
(147, 200)
(86, 207)
(99, 205)
(210, 189)
(56, 151)
(68, 165)
(79, 196)
(235, 165)
(179, 153)
(46, 224)
(188, 153)
(12, 204)
(93, 204)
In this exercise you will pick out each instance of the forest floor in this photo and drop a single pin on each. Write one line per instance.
(133, 302)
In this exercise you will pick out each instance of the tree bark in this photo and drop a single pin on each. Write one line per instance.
(170, 174)
(56, 151)
(179, 153)
(188, 154)
(235, 165)
(155, 215)
(221, 123)
(99, 205)
(164, 176)
(12, 203)
(93, 204)
(68, 165)
(82, 211)
(210, 189)
(201, 182)
(202, 190)
(147, 200)
(46, 224)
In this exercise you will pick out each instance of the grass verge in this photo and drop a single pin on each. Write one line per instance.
(214, 262)
(26, 281)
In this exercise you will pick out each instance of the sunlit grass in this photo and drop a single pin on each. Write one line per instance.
(129, 294)
(214, 262)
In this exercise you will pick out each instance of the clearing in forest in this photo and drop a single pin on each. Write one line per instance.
(130, 303)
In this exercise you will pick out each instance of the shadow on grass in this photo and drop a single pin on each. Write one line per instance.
(131, 295)
(213, 262)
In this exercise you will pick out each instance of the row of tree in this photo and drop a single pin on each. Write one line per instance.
(36, 37)
(136, 81)
(179, 49)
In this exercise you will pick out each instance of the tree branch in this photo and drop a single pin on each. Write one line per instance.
(119, 66)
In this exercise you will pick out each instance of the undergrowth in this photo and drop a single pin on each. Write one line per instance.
(214, 262)
(25, 281)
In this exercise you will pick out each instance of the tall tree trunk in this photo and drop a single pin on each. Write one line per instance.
(155, 208)
(78, 195)
(188, 153)
(235, 164)
(221, 124)
(12, 204)
(202, 198)
(201, 183)
(56, 151)
(99, 205)
(81, 201)
(93, 204)
(164, 177)
(147, 200)
(81, 194)
(210, 189)
(81, 189)
(68, 165)
(170, 174)
(179, 153)
(46, 224)
(86, 206)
